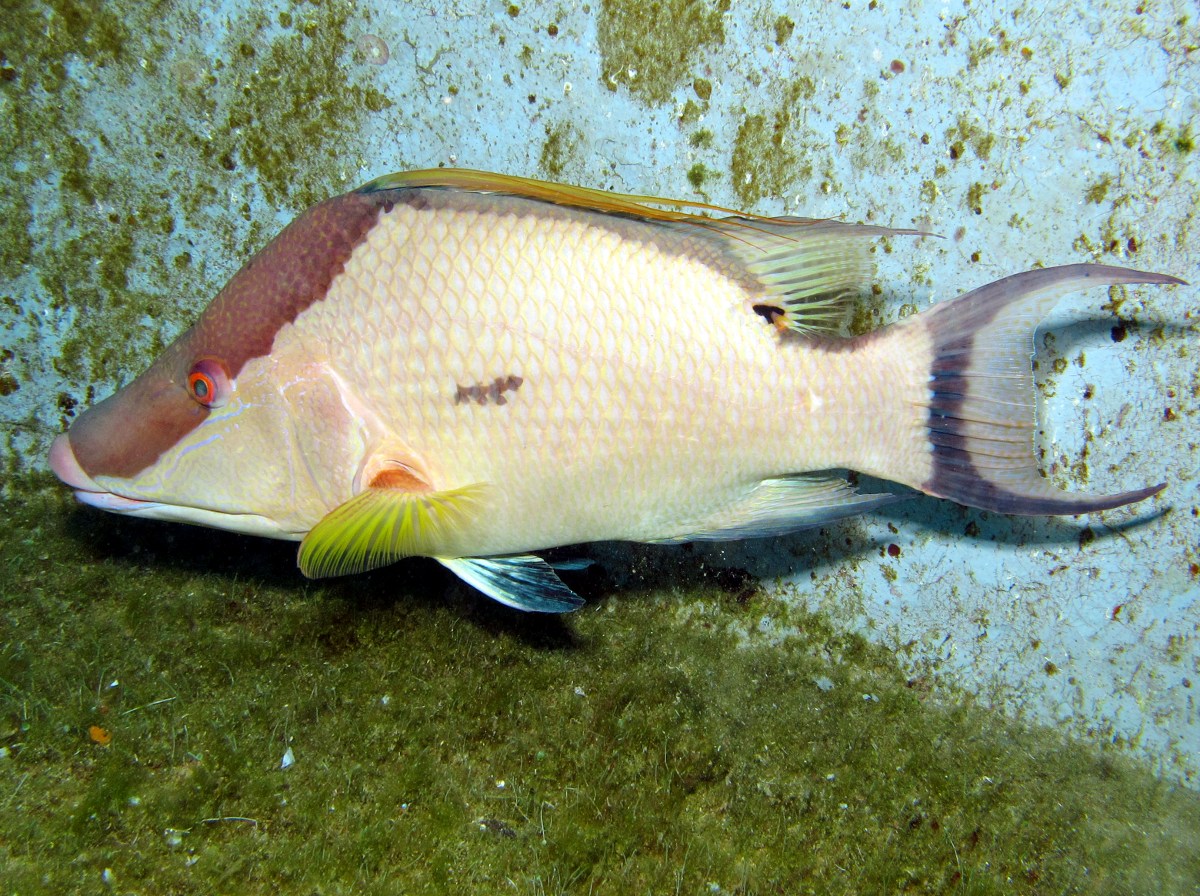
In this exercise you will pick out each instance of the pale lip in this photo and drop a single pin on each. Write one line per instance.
(66, 468)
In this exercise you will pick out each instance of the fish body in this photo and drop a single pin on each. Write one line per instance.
(474, 368)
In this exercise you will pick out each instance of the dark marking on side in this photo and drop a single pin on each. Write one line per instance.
(488, 393)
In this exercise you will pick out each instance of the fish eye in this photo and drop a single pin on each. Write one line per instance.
(208, 383)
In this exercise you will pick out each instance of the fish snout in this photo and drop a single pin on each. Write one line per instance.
(87, 491)
(67, 468)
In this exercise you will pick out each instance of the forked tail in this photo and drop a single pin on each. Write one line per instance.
(982, 411)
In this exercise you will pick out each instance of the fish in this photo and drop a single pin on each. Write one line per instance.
(477, 368)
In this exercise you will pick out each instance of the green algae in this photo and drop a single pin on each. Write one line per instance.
(560, 149)
(97, 32)
(648, 47)
(975, 194)
(246, 109)
(1098, 191)
(783, 30)
(869, 313)
(764, 161)
(691, 112)
(290, 131)
(964, 134)
(698, 175)
(645, 744)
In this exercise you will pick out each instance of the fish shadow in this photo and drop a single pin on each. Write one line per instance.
(421, 585)
(138, 544)
(955, 521)
(736, 569)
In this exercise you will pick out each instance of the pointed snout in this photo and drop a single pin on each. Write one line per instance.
(67, 468)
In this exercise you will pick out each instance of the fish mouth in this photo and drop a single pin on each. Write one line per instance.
(112, 503)
(66, 467)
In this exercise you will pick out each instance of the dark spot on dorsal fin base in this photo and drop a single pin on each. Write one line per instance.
(770, 313)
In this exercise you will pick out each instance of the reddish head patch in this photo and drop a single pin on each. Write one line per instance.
(292, 272)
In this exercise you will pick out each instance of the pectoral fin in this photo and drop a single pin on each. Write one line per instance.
(382, 525)
(522, 581)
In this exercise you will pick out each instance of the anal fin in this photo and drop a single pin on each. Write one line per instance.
(779, 506)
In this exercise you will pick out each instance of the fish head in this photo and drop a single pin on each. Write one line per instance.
(189, 442)
(237, 425)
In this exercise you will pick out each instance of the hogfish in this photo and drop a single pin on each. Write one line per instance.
(475, 368)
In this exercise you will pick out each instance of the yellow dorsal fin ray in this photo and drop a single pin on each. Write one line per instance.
(811, 270)
(379, 526)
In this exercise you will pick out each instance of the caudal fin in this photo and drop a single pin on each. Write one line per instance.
(982, 409)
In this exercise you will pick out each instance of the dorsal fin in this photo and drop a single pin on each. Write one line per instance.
(809, 268)
(652, 208)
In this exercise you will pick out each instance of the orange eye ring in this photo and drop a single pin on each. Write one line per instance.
(208, 383)
(201, 387)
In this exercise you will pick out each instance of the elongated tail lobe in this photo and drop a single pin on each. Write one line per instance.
(981, 411)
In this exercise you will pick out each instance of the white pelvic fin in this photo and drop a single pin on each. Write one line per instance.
(522, 581)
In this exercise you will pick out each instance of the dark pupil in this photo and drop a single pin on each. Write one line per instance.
(200, 387)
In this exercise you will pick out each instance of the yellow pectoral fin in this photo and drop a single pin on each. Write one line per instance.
(382, 525)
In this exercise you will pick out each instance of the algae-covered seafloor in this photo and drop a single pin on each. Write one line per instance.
(182, 714)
